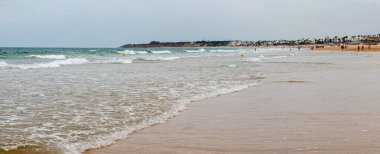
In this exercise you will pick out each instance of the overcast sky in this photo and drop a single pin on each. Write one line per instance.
(111, 23)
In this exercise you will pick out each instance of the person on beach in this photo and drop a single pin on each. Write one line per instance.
(363, 47)
(369, 47)
(358, 48)
(342, 47)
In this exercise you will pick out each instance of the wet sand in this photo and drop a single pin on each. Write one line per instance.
(314, 103)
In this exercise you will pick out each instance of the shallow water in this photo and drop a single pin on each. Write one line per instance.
(70, 100)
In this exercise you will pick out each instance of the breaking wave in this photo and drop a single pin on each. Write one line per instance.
(261, 57)
(223, 50)
(115, 61)
(161, 52)
(47, 56)
(196, 51)
(3, 64)
(132, 52)
(53, 64)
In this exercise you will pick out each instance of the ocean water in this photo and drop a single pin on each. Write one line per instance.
(69, 100)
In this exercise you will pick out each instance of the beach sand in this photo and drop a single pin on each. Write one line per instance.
(314, 103)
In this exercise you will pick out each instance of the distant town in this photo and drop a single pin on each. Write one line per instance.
(346, 40)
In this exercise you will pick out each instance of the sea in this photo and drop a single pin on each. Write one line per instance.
(69, 100)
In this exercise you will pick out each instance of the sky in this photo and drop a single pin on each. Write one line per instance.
(111, 23)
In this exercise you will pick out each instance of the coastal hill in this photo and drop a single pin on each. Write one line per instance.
(157, 44)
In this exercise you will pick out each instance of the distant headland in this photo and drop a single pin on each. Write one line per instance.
(346, 40)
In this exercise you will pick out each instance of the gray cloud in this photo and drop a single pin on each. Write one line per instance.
(110, 23)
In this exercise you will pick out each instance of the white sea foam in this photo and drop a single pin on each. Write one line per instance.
(261, 57)
(157, 58)
(105, 140)
(251, 59)
(223, 50)
(128, 52)
(196, 51)
(161, 52)
(115, 61)
(271, 49)
(231, 65)
(47, 56)
(3, 64)
(56, 63)
(132, 52)
(152, 93)
(278, 57)
(141, 52)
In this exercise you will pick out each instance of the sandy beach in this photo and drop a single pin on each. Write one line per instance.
(310, 103)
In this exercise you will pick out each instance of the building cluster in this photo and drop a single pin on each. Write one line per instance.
(354, 40)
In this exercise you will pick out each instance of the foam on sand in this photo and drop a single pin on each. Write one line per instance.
(251, 59)
(101, 141)
(157, 58)
(278, 57)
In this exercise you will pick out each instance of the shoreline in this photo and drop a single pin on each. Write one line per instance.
(300, 112)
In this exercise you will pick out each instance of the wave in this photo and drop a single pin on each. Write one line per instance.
(101, 141)
(53, 64)
(47, 56)
(132, 52)
(3, 64)
(127, 52)
(157, 58)
(196, 51)
(161, 52)
(223, 50)
(142, 52)
(115, 61)
(261, 57)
